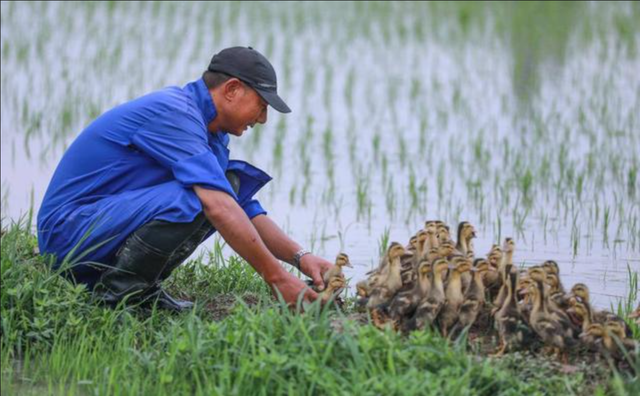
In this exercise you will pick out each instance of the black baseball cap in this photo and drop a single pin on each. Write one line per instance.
(252, 68)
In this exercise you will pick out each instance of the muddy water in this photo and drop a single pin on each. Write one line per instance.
(379, 107)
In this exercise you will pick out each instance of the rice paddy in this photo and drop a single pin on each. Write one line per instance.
(507, 116)
(521, 118)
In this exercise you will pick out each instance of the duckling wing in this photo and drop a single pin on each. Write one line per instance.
(402, 304)
(469, 311)
(429, 311)
(551, 332)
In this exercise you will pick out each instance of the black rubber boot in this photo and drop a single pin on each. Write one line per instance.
(141, 265)
(164, 300)
(136, 270)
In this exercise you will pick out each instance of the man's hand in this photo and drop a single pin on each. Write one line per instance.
(290, 287)
(314, 267)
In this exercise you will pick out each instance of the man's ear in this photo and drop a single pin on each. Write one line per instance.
(232, 88)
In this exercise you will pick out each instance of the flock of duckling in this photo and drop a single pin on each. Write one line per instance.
(439, 284)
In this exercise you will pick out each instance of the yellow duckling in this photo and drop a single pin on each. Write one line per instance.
(363, 288)
(432, 236)
(405, 303)
(474, 297)
(492, 280)
(429, 308)
(342, 260)
(511, 325)
(553, 326)
(413, 244)
(618, 345)
(581, 291)
(609, 340)
(334, 287)
(556, 293)
(443, 233)
(464, 246)
(421, 237)
(466, 233)
(383, 265)
(446, 249)
(582, 312)
(453, 293)
(537, 274)
(390, 281)
(551, 267)
(508, 248)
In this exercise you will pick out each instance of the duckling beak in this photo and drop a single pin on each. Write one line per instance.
(348, 264)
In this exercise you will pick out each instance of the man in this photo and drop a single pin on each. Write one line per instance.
(148, 181)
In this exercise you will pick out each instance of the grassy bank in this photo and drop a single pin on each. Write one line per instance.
(237, 341)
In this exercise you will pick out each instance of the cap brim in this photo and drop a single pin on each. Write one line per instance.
(274, 101)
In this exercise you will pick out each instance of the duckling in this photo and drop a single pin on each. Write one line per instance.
(408, 273)
(464, 246)
(391, 281)
(447, 249)
(342, 260)
(454, 296)
(466, 232)
(474, 297)
(582, 312)
(555, 285)
(593, 337)
(507, 258)
(492, 279)
(511, 325)
(537, 274)
(552, 325)
(606, 339)
(405, 303)
(421, 239)
(580, 290)
(334, 287)
(429, 308)
(432, 237)
(551, 267)
(413, 244)
(430, 223)
(383, 266)
(618, 345)
(523, 297)
(443, 233)
(432, 254)
(556, 292)
(363, 288)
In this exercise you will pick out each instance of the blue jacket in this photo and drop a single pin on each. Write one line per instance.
(134, 164)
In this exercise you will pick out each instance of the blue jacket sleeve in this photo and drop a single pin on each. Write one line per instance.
(253, 208)
(251, 180)
(178, 141)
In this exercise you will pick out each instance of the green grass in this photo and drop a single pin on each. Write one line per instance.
(54, 341)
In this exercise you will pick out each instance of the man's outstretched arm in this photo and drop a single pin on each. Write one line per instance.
(234, 226)
(284, 248)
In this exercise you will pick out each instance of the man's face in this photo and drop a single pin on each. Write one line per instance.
(246, 108)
